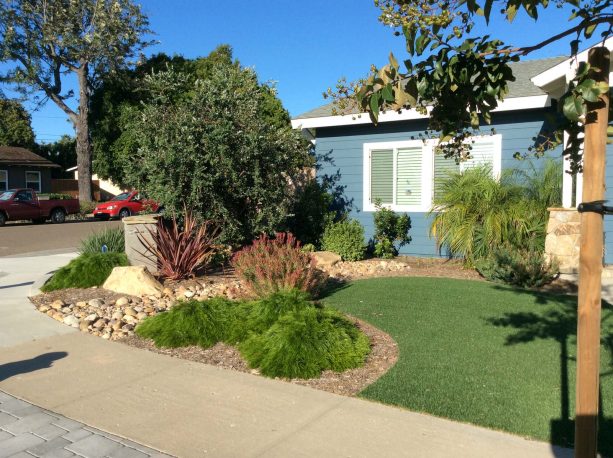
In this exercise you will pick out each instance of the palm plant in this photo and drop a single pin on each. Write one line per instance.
(474, 212)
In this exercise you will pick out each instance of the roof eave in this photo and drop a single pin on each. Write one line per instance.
(510, 104)
(565, 67)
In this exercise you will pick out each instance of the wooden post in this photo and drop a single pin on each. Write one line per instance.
(590, 267)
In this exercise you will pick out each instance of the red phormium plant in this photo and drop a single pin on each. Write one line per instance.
(271, 265)
(180, 250)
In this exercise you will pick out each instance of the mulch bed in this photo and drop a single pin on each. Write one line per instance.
(383, 355)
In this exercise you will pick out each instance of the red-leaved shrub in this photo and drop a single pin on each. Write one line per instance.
(271, 265)
(181, 249)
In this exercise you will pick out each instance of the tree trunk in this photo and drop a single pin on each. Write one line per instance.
(590, 266)
(84, 145)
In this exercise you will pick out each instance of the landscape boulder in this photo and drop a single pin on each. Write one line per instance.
(324, 259)
(133, 280)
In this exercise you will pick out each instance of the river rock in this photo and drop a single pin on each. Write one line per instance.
(71, 320)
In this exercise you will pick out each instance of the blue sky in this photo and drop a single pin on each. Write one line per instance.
(303, 46)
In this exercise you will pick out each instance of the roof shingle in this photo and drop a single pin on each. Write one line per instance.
(521, 87)
(13, 155)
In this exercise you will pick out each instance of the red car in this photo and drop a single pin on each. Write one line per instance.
(125, 204)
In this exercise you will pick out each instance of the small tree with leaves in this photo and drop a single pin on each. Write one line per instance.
(15, 125)
(42, 42)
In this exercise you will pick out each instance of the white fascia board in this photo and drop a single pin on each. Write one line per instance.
(560, 70)
(516, 103)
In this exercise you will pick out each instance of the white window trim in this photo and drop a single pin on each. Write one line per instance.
(427, 171)
(6, 174)
(40, 184)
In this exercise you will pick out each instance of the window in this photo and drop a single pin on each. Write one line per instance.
(33, 181)
(24, 196)
(4, 180)
(405, 175)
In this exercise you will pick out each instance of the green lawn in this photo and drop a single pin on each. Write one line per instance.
(481, 353)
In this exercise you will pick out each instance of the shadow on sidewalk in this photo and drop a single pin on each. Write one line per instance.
(43, 361)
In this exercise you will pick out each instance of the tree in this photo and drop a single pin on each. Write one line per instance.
(458, 78)
(206, 145)
(119, 97)
(15, 125)
(43, 42)
(62, 152)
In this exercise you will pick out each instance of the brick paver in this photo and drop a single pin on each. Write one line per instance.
(28, 431)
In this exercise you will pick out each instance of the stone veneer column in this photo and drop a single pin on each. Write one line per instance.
(135, 226)
(562, 241)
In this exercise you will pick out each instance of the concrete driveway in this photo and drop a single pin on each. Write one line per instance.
(20, 238)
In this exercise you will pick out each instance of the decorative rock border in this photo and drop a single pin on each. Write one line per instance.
(114, 316)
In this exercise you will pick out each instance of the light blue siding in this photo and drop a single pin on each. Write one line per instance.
(343, 149)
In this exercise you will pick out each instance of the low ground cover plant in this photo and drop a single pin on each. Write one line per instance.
(391, 231)
(345, 238)
(85, 271)
(189, 323)
(283, 335)
(113, 239)
(276, 264)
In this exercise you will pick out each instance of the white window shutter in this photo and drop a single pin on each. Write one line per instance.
(409, 176)
(382, 176)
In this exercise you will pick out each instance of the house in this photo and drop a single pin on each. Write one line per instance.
(21, 168)
(107, 188)
(390, 162)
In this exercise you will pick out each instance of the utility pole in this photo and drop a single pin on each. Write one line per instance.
(590, 264)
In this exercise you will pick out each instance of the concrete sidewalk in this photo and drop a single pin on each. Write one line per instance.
(189, 409)
(18, 278)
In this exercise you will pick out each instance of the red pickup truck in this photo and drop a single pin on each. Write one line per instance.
(20, 204)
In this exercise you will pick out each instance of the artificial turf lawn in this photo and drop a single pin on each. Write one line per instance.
(482, 353)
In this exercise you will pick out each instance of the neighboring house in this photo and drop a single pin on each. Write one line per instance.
(108, 189)
(21, 168)
(390, 162)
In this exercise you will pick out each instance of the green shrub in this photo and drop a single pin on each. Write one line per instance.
(520, 267)
(391, 230)
(309, 248)
(113, 238)
(306, 342)
(86, 208)
(54, 196)
(85, 271)
(310, 213)
(189, 323)
(345, 238)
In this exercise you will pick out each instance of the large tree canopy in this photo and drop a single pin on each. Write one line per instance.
(42, 42)
(120, 96)
(208, 144)
(63, 152)
(458, 78)
(15, 125)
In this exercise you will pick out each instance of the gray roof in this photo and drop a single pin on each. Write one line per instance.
(15, 156)
(521, 87)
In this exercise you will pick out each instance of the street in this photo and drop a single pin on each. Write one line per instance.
(20, 238)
